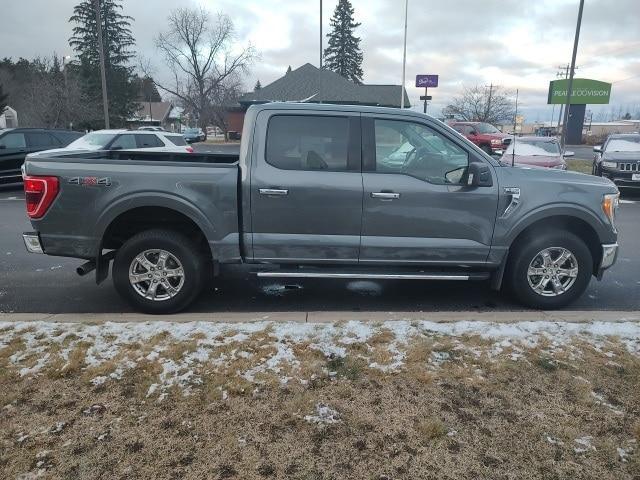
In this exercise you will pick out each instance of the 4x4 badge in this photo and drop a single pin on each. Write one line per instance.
(89, 181)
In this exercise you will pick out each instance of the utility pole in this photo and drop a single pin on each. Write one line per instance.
(103, 74)
(488, 107)
(321, 58)
(320, 64)
(563, 72)
(404, 55)
(571, 74)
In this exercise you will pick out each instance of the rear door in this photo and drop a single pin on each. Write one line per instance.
(13, 149)
(419, 210)
(306, 187)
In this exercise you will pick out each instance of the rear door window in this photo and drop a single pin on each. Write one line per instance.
(40, 139)
(177, 140)
(311, 142)
(148, 140)
(124, 142)
(13, 140)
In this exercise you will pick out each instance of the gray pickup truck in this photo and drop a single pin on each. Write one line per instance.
(323, 191)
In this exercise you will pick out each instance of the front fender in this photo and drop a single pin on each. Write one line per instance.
(507, 230)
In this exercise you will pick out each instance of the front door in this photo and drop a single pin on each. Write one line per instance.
(306, 187)
(417, 206)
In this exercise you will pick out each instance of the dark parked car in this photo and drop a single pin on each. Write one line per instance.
(16, 143)
(541, 152)
(619, 159)
(192, 135)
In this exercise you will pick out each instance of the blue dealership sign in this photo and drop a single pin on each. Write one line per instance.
(426, 81)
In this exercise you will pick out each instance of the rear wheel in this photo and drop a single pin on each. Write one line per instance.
(550, 271)
(159, 271)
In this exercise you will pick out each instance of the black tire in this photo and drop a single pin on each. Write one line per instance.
(487, 149)
(195, 266)
(596, 170)
(528, 249)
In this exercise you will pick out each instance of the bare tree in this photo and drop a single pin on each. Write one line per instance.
(202, 59)
(480, 104)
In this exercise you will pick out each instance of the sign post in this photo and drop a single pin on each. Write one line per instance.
(426, 81)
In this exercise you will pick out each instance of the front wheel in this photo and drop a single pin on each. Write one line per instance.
(550, 270)
(487, 149)
(159, 271)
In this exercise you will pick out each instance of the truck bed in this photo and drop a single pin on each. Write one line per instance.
(97, 188)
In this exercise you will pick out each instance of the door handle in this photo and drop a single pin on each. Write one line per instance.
(385, 195)
(279, 192)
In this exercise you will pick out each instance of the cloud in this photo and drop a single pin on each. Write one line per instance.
(511, 43)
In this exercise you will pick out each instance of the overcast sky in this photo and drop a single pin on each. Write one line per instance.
(511, 43)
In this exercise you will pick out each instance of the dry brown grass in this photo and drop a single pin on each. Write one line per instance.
(460, 417)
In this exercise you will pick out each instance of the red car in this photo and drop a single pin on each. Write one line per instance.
(484, 135)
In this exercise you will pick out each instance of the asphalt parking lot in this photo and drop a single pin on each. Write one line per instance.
(39, 283)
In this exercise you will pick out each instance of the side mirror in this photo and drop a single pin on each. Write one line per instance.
(597, 149)
(479, 175)
(473, 133)
(568, 154)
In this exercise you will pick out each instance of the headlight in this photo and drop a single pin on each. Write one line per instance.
(610, 204)
(496, 141)
(610, 164)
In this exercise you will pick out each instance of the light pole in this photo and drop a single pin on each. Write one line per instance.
(65, 60)
(404, 54)
(103, 75)
(571, 73)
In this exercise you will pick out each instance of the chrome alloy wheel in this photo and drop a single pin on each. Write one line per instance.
(553, 271)
(156, 275)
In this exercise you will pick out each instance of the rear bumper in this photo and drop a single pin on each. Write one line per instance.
(32, 242)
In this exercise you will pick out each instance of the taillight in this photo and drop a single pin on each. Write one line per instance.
(39, 194)
(189, 149)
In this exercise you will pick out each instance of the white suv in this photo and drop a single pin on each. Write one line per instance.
(151, 141)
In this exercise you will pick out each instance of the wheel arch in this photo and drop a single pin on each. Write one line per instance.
(558, 223)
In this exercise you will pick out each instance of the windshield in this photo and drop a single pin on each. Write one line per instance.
(631, 144)
(534, 148)
(192, 130)
(92, 141)
(486, 128)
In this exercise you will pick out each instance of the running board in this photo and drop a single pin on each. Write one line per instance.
(377, 276)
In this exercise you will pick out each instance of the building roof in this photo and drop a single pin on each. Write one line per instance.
(310, 84)
(159, 112)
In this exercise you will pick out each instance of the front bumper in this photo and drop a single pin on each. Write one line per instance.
(609, 257)
(32, 242)
(621, 178)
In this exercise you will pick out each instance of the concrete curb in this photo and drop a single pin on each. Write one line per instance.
(328, 317)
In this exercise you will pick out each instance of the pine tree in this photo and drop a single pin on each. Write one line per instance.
(343, 55)
(258, 86)
(116, 33)
(118, 51)
(288, 70)
(3, 100)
